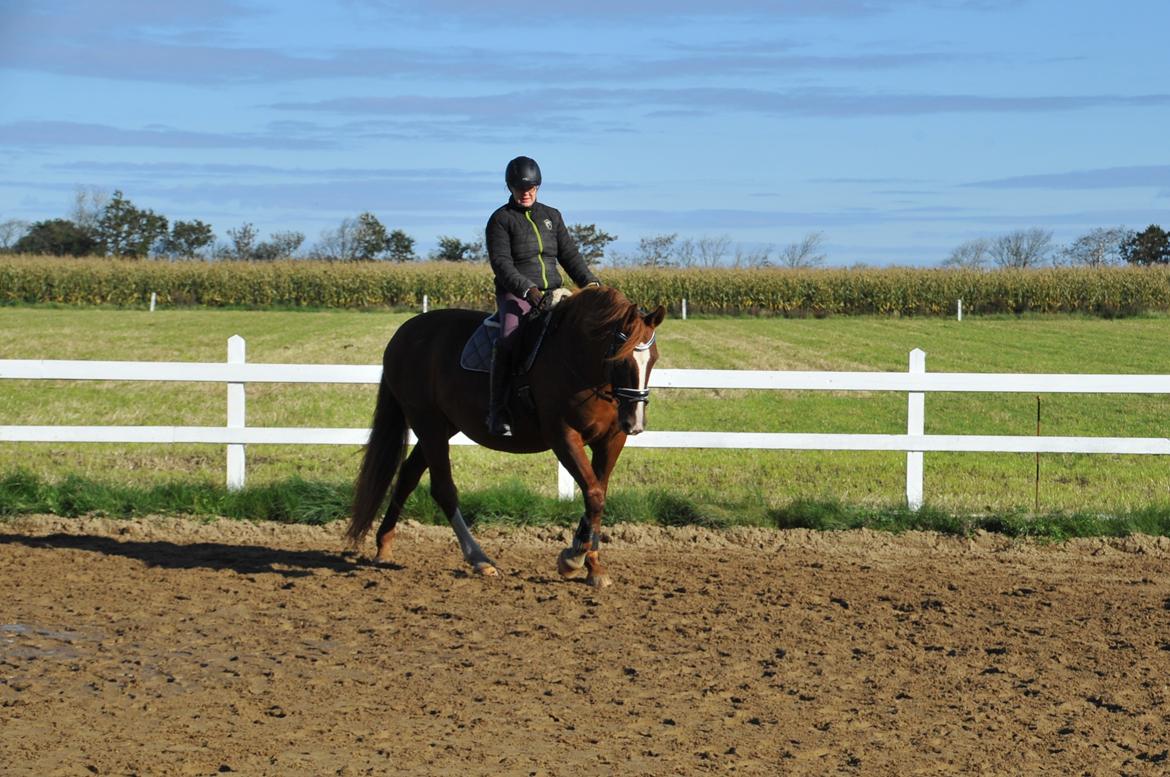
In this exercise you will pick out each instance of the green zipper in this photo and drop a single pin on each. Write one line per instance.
(539, 250)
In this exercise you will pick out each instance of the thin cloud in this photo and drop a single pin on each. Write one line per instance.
(698, 220)
(161, 62)
(1138, 176)
(874, 181)
(167, 43)
(340, 196)
(711, 101)
(663, 12)
(69, 133)
(46, 21)
(732, 219)
(1069, 219)
(399, 175)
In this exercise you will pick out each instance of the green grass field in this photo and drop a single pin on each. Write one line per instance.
(701, 486)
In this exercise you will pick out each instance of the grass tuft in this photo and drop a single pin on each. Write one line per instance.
(300, 501)
(823, 515)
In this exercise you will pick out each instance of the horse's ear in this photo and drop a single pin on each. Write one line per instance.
(654, 318)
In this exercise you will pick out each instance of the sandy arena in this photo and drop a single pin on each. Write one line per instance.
(175, 647)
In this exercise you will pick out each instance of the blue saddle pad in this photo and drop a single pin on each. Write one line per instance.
(477, 354)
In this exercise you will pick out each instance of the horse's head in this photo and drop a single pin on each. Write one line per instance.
(634, 352)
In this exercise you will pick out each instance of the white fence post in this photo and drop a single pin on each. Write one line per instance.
(960, 316)
(426, 303)
(915, 425)
(565, 483)
(684, 309)
(235, 416)
(566, 486)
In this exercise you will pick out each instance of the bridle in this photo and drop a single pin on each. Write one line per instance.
(631, 395)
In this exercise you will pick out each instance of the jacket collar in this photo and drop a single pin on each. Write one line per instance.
(513, 205)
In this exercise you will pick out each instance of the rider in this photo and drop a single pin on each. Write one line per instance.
(524, 240)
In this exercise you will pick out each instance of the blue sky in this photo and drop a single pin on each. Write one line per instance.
(898, 128)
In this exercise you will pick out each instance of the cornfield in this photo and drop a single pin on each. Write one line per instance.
(1113, 291)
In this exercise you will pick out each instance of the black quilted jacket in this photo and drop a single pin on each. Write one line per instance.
(525, 245)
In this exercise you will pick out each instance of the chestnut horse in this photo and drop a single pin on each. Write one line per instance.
(589, 387)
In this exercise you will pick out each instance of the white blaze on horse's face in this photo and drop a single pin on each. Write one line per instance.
(642, 360)
(633, 391)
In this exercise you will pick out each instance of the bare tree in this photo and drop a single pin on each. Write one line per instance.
(363, 238)
(712, 250)
(685, 253)
(1097, 247)
(752, 258)
(973, 254)
(337, 244)
(89, 205)
(243, 243)
(805, 253)
(11, 231)
(656, 251)
(1023, 248)
(621, 259)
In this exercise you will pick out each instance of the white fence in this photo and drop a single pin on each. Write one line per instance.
(916, 382)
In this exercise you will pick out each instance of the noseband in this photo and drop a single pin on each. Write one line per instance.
(631, 395)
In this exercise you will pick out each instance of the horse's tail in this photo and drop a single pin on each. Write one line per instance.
(383, 455)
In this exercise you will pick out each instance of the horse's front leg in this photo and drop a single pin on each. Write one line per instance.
(583, 558)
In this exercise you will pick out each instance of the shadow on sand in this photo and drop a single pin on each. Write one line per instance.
(244, 559)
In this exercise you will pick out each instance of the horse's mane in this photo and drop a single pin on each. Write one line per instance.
(596, 312)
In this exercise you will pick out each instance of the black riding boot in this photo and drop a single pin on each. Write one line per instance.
(498, 420)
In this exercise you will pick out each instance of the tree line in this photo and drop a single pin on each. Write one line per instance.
(1100, 247)
(101, 225)
(112, 225)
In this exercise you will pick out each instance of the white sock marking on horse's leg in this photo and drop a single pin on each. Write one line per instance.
(472, 552)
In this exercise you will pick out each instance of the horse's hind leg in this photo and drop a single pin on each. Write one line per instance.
(408, 477)
(436, 448)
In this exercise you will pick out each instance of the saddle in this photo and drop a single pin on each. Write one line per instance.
(477, 353)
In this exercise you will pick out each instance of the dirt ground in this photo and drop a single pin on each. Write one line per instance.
(175, 647)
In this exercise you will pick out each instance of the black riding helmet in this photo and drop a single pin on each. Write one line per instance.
(522, 173)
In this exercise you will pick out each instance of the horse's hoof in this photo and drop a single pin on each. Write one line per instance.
(485, 569)
(571, 567)
(383, 561)
(573, 574)
(600, 581)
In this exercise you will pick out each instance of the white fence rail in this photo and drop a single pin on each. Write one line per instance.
(236, 373)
